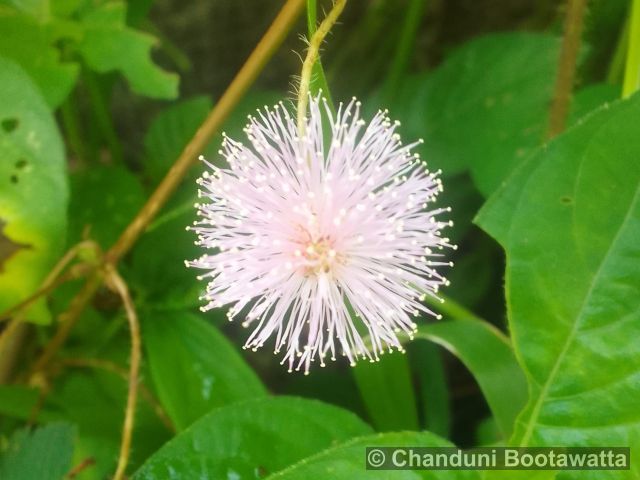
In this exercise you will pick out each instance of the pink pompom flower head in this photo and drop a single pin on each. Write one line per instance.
(320, 242)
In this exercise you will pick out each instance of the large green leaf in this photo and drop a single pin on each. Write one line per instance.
(194, 367)
(30, 44)
(108, 44)
(33, 190)
(489, 357)
(347, 461)
(44, 454)
(484, 107)
(569, 220)
(252, 439)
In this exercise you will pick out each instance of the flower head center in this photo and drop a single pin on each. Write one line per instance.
(319, 255)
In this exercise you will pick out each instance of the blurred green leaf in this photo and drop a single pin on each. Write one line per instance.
(30, 44)
(172, 129)
(16, 401)
(485, 107)
(464, 199)
(234, 125)
(194, 367)
(477, 266)
(569, 220)
(103, 199)
(490, 359)
(347, 461)
(252, 439)
(44, 454)
(388, 393)
(429, 369)
(170, 132)
(157, 272)
(158, 259)
(35, 8)
(108, 45)
(488, 433)
(33, 190)
(94, 400)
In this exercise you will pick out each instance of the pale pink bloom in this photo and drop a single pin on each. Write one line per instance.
(320, 246)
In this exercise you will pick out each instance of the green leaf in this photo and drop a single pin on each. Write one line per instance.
(347, 461)
(460, 194)
(569, 220)
(158, 259)
(44, 454)
(35, 8)
(16, 401)
(489, 357)
(158, 272)
(95, 400)
(33, 190)
(485, 107)
(234, 125)
(29, 44)
(252, 439)
(589, 99)
(170, 132)
(194, 367)
(429, 369)
(106, 37)
(172, 129)
(104, 199)
(388, 393)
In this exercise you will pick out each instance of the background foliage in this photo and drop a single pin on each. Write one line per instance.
(538, 345)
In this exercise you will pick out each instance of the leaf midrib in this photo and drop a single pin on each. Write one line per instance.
(569, 340)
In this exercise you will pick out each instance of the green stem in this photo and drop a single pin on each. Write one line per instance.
(103, 116)
(632, 69)
(404, 47)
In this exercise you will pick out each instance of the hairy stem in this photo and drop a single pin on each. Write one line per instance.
(567, 66)
(318, 78)
(116, 282)
(263, 51)
(632, 68)
(310, 60)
